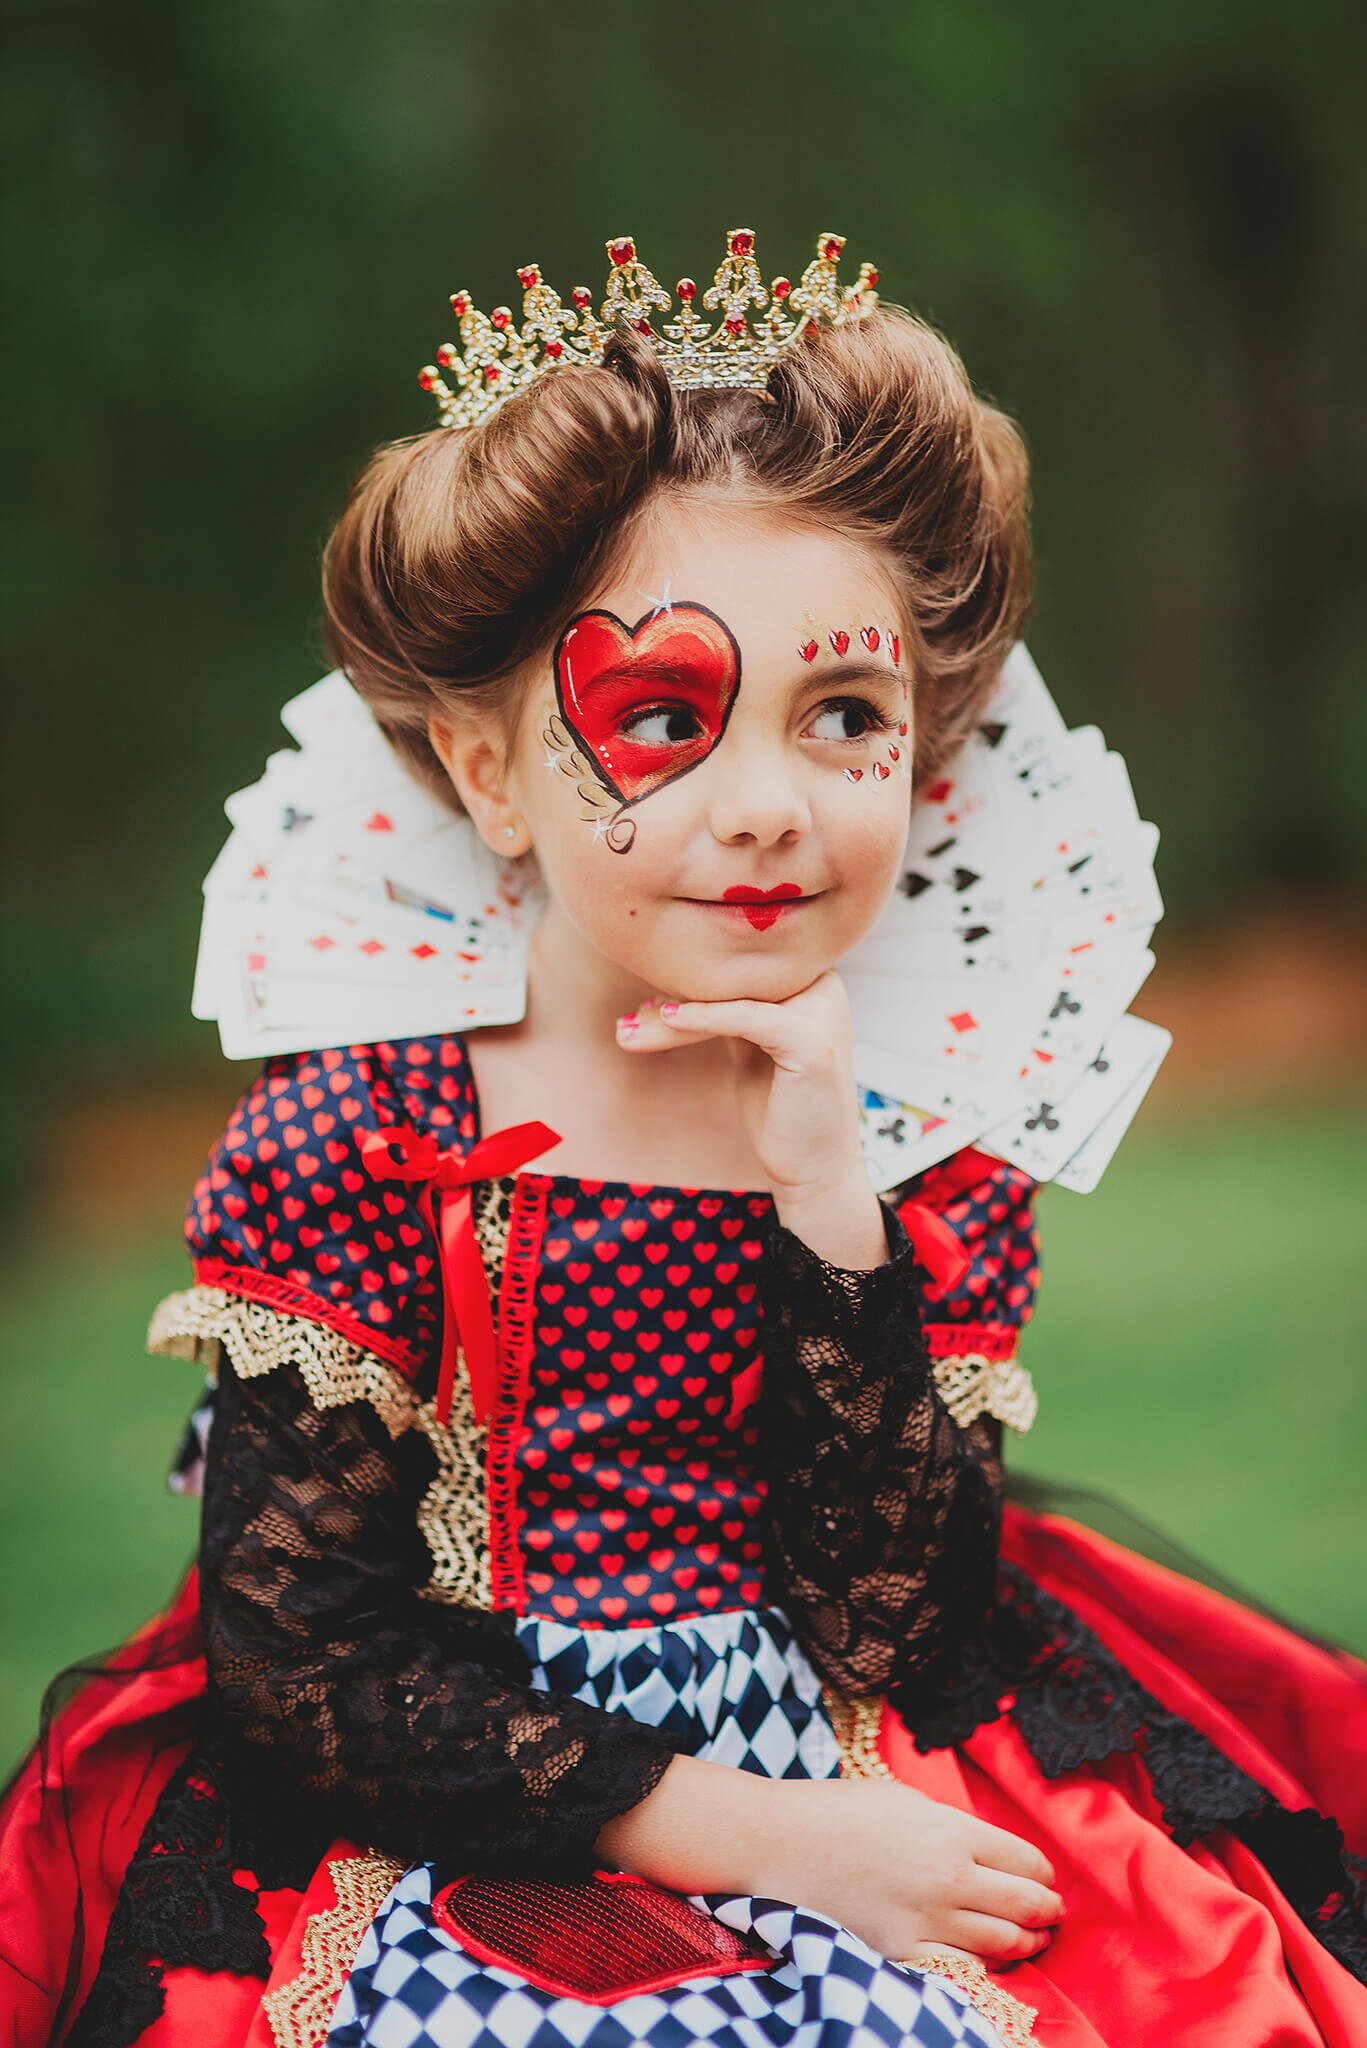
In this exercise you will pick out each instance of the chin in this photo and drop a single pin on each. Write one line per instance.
(760, 978)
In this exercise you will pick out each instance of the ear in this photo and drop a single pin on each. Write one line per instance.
(474, 756)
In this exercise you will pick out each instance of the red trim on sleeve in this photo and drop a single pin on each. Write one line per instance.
(956, 1340)
(285, 1295)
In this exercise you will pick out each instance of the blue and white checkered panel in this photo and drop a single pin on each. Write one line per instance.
(735, 1686)
(412, 1986)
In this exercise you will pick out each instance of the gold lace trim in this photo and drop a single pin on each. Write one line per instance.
(453, 1515)
(257, 1339)
(300, 2012)
(1014, 2020)
(856, 1724)
(973, 1385)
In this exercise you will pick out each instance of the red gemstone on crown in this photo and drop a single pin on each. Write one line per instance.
(831, 246)
(446, 354)
(428, 380)
(491, 373)
(687, 289)
(554, 349)
(529, 275)
(581, 296)
(500, 317)
(623, 250)
(460, 305)
(641, 326)
(734, 326)
(782, 286)
(870, 277)
(741, 241)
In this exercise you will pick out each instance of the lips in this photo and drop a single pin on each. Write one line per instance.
(761, 906)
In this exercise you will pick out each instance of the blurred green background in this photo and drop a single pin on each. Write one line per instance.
(232, 232)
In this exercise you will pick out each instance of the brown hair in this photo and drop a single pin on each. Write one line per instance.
(461, 553)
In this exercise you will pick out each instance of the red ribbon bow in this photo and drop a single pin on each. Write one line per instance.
(399, 1153)
(938, 1249)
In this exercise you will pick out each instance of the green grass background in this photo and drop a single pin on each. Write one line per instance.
(1197, 1353)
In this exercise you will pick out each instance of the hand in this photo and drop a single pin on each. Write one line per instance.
(795, 1093)
(903, 1872)
(909, 1875)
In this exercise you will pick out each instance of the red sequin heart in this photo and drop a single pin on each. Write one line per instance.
(607, 673)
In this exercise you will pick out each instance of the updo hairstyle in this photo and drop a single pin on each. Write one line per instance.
(463, 552)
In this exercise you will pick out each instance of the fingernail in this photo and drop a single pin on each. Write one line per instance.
(669, 1009)
(626, 1025)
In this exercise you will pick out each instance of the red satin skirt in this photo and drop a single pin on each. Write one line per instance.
(1178, 1948)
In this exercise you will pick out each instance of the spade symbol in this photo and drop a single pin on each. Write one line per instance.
(964, 878)
(1043, 1115)
(991, 735)
(1101, 1064)
(971, 933)
(1065, 1006)
(913, 884)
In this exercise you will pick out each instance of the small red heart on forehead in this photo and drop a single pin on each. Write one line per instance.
(808, 650)
(894, 648)
(840, 641)
(869, 636)
(606, 673)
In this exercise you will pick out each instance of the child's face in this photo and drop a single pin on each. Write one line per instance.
(747, 704)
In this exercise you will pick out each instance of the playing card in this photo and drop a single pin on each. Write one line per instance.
(1082, 1172)
(899, 1140)
(1046, 1133)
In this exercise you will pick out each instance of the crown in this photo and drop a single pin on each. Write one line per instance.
(732, 352)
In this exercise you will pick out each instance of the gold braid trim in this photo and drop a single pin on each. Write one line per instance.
(300, 2013)
(1014, 2020)
(257, 1339)
(856, 1724)
(973, 1385)
(453, 1517)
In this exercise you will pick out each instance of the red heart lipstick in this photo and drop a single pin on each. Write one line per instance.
(762, 906)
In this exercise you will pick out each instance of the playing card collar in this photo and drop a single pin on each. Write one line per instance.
(990, 1000)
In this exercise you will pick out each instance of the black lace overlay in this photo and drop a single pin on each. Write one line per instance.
(349, 1701)
(178, 1904)
(1076, 1705)
(884, 1515)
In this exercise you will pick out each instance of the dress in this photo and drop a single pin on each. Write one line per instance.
(724, 1499)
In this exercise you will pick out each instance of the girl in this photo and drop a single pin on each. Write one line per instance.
(577, 1438)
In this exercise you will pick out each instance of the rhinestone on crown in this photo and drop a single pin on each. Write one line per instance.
(499, 356)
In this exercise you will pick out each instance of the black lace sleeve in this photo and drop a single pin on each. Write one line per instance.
(884, 1515)
(405, 1725)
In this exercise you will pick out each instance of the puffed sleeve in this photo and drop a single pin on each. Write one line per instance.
(341, 1687)
(885, 1503)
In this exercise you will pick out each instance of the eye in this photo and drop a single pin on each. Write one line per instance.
(662, 725)
(846, 718)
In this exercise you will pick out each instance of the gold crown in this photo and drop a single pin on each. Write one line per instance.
(499, 357)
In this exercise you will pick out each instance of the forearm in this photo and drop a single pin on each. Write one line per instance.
(703, 1829)
(847, 1227)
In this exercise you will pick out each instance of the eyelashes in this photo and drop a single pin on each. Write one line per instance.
(875, 720)
(673, 724)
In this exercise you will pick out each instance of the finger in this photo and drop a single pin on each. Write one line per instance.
(1001, 1940)
(999, 1850)
(1014, 1898)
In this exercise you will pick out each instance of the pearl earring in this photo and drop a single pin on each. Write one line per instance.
(510, 831)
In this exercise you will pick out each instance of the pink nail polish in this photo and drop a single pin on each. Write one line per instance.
(627, 1025)
(669, 1009)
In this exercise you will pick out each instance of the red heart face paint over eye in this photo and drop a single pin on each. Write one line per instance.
(607, 672)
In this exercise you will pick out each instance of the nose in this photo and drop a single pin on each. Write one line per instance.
(757, 794)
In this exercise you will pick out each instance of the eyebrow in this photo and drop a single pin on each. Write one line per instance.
(850, 671)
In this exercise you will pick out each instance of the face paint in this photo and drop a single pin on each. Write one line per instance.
(839, 639)
(761, 906)
(608, 675)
